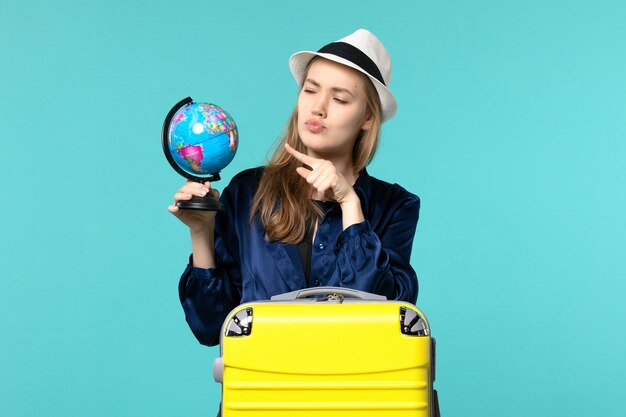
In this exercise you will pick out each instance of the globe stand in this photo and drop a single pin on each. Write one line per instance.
(207, 202)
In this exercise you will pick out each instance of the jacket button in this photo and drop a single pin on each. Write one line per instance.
(321, 246)
(317, 282)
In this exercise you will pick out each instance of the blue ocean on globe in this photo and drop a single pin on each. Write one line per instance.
(202, 139)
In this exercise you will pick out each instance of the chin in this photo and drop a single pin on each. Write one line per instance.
(307, 138)
(315, 143)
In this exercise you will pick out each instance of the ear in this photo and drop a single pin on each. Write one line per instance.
(367, 124)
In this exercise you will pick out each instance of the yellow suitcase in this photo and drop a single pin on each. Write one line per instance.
(327, 351)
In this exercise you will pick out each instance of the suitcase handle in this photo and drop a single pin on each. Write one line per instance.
(345, 292)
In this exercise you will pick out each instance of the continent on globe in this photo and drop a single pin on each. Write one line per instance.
(192, 154)
(232, 140)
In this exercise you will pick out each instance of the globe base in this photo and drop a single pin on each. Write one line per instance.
(207, 203)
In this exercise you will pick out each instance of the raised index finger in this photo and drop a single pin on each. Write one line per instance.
(309, 160)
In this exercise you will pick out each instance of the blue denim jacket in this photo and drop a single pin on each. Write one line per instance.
(371, 256)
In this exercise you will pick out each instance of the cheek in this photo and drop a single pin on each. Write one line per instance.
(303, 98)
(351, 120)
(300, 108)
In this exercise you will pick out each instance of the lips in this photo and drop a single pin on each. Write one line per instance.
(314, 126)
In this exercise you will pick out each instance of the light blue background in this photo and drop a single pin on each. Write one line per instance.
(511, 128)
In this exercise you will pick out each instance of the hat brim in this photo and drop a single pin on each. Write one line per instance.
(299, 61)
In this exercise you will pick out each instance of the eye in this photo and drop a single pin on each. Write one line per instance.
(308, 91)
(340, 101)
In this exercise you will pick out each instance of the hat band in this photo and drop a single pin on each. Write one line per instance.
(354, 55)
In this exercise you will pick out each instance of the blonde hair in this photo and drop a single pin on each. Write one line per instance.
(283, 199)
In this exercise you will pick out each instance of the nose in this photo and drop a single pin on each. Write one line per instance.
(319, 107)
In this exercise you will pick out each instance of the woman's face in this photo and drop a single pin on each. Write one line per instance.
(331, 109)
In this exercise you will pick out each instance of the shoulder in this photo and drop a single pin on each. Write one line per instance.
(382, 202)
(248, 179)
(243, 185)
(386, 191)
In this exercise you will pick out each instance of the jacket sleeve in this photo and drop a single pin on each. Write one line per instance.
(379, 262)
(208, 295)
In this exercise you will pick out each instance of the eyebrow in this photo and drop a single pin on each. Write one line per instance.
(335, 89)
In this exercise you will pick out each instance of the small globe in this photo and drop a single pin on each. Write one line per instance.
(202, 139)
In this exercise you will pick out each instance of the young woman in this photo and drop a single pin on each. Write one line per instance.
(313, 216)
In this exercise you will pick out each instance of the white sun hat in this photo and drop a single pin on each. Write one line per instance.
(362, 51)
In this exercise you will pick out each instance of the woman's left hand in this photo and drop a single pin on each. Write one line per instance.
(325, 178)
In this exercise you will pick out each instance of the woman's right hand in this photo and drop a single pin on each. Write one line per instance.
(198, 221)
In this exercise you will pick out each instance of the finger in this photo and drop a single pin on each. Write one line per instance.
(314, 175)
(327, 183)
(304, 173)
(323, 179)
(309, 160)
(172, 209)
(324, 170)
(196, 184)
(182, 196)
(192, 185)
(194, 189)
